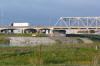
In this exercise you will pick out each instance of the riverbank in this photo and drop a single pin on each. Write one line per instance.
(4, 40)
(52, 54)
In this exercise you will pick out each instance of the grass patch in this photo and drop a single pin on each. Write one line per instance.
(53, 54)
(80, 41)
(20, 35)
(94, 37)
(4, 40)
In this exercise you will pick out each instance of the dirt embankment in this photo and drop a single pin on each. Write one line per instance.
(86, 40)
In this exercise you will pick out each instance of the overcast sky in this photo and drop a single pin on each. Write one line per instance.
(45, 12)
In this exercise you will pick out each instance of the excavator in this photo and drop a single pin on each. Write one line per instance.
(36, 34)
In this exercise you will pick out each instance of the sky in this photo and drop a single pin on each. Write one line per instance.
(45, 12)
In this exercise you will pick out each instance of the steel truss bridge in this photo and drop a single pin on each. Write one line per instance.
(79, 22)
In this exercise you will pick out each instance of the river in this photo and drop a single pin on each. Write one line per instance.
(4, 45)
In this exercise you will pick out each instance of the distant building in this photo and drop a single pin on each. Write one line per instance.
(20, 24)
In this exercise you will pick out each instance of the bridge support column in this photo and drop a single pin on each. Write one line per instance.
(23, 31)
(68, 31)
(88, 31)
(47, 31)
(12, 31)
(51, 32)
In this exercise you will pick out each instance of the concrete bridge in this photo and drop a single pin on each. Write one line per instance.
(70, 25)
(46, 29)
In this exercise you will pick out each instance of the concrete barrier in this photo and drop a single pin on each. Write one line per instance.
(30, 41)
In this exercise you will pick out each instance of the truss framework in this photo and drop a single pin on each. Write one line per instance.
(78, 21)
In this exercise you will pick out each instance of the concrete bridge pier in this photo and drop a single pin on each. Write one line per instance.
(51, 31)
(47, 31)
(0, 31)
(23, 31)
(67, 31)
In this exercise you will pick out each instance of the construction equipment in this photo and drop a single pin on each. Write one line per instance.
(37, 33)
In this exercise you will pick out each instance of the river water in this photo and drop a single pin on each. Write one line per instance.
(4, 45)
